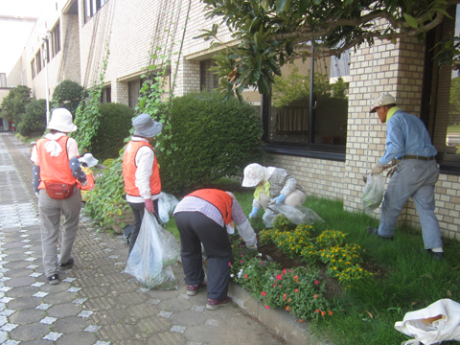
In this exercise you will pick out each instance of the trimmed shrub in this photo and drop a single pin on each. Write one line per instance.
(34, 120)
(115, 123)
(68, 94)
(210, 139)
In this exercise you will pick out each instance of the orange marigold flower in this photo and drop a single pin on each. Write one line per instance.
(288, 309)
(315, 295)
(296, 290)
(300, 320)
(330, 312)
(296, 277)
(284, 296)
(263, 293)
(289, 300)
(317, 310)
(322, 313)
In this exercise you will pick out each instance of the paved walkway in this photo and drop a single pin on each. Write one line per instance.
(96, 303)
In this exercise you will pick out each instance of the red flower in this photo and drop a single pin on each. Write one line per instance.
(322, 313)
(279, 277)
(300, 320)
(267, 307)
(316, 282)
(316, 296)
(330, 312)
(288, 309)
(296, 277)
(284, 271)
(284, 296)
(317, 310)
(274, 285)
(263, 293)
(296, 290)
(245, 276)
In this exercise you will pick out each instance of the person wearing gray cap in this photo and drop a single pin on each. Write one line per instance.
(140, 172)
(415, 174)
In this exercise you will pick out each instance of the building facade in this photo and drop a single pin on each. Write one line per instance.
(328, 149)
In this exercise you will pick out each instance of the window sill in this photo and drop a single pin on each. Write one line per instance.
(304, 152)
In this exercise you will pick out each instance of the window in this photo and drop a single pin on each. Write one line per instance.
(107, 95)
(293, 117)
(442, 115)
(38, 62)
(55, 40)
(91, 7)
(3, 79)
(208, 79)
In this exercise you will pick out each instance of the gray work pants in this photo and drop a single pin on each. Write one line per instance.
(50, 211)
(414, 178)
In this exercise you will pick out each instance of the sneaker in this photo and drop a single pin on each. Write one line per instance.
(437, 256)
(54, 279)
(214, 304)
(68, 264)
(375, 232)
(192, 290)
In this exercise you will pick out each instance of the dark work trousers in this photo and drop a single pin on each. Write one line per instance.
(195, 228)
(138, 209)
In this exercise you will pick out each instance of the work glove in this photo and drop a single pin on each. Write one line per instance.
(280, 199)
(253, 213)
(149, 206)
(391, 171)
(377, 169)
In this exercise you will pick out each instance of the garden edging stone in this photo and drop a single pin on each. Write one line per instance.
(279, 321)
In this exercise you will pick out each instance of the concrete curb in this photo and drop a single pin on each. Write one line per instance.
(281, 322)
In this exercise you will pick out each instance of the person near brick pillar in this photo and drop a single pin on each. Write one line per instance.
(206, 217)
(55, 159)
(415, 175)
(140, 172)
(273, 185)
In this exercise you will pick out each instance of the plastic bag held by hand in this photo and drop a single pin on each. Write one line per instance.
(434, 324)
(166, 205)
(153, 253)
(373, 192)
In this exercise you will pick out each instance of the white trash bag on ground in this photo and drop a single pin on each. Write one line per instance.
(434, 324)
(153, 254)
(373, 192)
(295, 214)
(166, 205)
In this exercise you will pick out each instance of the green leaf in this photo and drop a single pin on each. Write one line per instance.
(280, 6)
(411, 20)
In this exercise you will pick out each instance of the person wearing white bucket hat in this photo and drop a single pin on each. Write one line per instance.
(87, 161)
(140, 172)
(409, 143)
(272, 185)
(56, 171)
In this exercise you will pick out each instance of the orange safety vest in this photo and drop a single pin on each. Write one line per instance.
(218, 198)
(130, 168)
(55, 168)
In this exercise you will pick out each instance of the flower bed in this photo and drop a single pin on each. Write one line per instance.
(299, 290)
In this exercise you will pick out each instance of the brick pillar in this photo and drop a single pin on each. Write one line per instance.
(120, 92)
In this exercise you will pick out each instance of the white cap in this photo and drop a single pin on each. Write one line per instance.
(383, 99)
(253, 174)
(88, 159)
(61, 120)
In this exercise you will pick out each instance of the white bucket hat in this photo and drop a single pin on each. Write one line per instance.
(383, 99)
(253, 174)
(61, 120)
(88, 159)
(144, 126)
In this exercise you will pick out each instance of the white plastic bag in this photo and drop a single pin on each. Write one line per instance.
(166, 205)
(438, 322)
(295, 214)
(373, 192)
(153, 253)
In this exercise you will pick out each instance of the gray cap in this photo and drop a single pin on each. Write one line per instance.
(144, 126)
